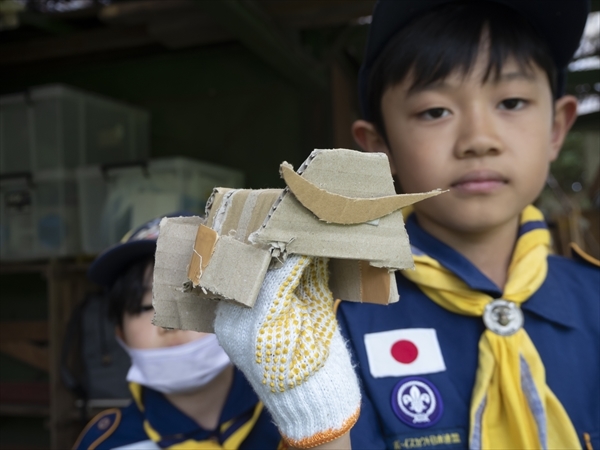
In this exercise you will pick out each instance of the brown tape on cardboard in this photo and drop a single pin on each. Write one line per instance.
(204, 246)
(358, 281)
(174, 306)
(375, 284)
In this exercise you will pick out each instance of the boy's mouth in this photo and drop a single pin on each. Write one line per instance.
(479, 182)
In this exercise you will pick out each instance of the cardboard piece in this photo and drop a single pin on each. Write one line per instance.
(294, 229)
(340, 205)
(174, 306)
(335, 208)
(375, 284)
(234, 259)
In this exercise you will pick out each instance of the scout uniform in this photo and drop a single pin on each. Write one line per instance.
(419, 361)
(152, 422)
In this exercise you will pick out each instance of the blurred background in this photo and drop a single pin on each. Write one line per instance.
(116, 111)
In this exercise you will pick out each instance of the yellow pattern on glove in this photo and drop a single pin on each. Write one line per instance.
(293, 341)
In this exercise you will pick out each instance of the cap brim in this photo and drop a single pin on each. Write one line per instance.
(114, 261)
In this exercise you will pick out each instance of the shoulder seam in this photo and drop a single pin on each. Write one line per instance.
(93, 422)
(108, 432)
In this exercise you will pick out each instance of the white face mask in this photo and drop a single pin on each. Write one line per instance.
(179, 368)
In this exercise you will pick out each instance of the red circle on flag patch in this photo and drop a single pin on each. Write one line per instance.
(404, 351)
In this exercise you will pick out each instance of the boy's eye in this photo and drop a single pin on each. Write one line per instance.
(434, 113)
(146, 308)
(512, 104)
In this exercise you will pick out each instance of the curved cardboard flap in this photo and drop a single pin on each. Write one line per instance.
(335, 208)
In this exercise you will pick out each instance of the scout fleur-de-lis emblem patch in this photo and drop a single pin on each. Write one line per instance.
(417, 402)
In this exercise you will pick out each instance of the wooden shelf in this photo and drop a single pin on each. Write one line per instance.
(24, 410)
(66, 286)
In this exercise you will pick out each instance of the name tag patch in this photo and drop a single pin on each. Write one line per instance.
(400, 353)
(447, 439)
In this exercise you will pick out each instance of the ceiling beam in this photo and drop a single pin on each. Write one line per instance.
(254, 29)
(268, 27)
(306, 14)
(45, 23)
(75, 44)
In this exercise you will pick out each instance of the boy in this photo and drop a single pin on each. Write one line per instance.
(468, 96)
(186, 393)
(465, 96)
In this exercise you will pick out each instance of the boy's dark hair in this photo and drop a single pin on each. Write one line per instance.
(127, 292)
(448, 38)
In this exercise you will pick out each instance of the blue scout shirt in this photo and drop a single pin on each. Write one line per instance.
(562, 319)
(124, 428)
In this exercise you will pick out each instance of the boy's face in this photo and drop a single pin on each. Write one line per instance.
(489, 143)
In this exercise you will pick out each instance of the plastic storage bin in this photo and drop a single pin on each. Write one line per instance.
(56, 126)
(39, 216)
(15, 149)
(114, 200)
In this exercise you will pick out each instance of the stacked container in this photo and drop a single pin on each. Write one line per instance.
(116, 199)
(45, 135)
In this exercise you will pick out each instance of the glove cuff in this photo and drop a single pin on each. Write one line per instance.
(323, 408)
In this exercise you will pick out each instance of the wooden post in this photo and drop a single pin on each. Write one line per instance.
(344, 105)
(67, 285)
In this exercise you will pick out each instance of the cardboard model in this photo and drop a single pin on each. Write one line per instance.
(341, 204)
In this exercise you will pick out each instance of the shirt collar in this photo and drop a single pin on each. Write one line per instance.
(548, 302)
(171, 423)
(241, 398)
(423, 242)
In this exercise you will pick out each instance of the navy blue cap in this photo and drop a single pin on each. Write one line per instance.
(137, 244)
(560, 24)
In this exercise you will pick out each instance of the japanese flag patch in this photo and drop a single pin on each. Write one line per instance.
(398, 353)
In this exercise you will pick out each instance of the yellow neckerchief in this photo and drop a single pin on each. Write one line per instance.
(511, 407)
(232, 442)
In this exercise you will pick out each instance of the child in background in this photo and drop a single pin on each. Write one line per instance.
(186, 393)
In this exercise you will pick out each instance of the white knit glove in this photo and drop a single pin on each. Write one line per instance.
(290, 349)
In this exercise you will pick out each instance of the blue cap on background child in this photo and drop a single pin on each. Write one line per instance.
(135, 245)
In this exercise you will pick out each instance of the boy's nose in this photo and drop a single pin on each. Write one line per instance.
(477, 136)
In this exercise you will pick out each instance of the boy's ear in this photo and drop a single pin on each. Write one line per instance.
(366, 135)
(565, 113)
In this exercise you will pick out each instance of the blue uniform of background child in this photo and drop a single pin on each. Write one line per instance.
(468, 96)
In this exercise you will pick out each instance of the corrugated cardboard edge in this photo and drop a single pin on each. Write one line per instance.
(213, 204)
(243, 211)
(174, 306)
